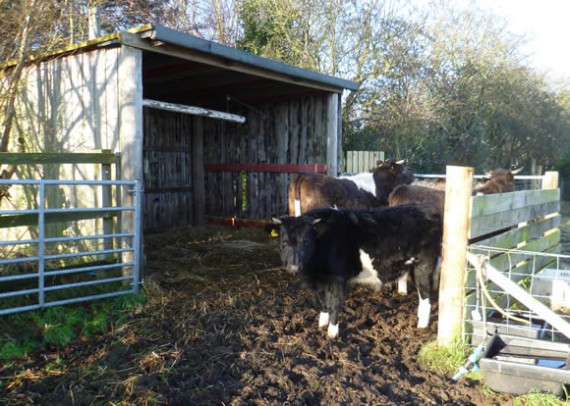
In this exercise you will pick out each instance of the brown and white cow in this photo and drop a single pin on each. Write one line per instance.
(361, 191)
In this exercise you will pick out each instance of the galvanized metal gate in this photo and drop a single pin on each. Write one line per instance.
(85, 246)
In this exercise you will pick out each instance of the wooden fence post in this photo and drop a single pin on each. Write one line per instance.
(459, 184)
(550, 180)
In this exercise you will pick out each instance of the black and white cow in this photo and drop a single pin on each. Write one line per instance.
(361, 191)
(332, 247)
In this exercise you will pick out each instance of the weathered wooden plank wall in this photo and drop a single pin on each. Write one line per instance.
(168, 185)
(287, 132)
(70, 104)
(290, 132)
(65, 105)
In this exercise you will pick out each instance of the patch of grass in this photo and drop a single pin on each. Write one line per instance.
(445, 360)
(59, 335)
(488, 392)
(97, 324)
(60, 325)
(130, 302)
(11, 350)
(538, 399)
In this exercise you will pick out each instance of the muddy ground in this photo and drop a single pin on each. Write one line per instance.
(224, 324)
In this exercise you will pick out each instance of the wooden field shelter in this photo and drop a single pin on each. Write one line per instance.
(210, 131)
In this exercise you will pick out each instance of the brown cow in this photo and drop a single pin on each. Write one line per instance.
(498, 181)
(417, 194)
(361, 191)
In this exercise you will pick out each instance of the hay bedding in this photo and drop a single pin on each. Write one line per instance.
(224, 324)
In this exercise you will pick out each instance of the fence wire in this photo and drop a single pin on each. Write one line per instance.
(545, 276)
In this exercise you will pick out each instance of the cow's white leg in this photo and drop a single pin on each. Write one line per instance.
(297, 207)
(424, 310)
(323, 319)
(403, 284)
(332, 331)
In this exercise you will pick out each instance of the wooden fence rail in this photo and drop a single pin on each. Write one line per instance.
(104, 157)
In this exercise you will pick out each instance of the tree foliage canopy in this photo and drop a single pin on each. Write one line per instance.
(439, 85)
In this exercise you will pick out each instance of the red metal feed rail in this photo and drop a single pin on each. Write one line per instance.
(277, 168)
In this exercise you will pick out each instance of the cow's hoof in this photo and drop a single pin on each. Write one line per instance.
(323, 319)
(332, 331)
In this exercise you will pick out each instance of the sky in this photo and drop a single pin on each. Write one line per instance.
(545, 24)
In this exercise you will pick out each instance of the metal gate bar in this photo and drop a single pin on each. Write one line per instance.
(127, 255)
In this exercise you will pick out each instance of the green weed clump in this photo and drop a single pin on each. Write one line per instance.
(59, 326)
(539, 399)
(445, 360)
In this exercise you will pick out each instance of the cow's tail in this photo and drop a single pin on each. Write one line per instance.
(297, 195)
(294, 198)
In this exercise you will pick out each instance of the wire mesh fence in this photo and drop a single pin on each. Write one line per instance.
(491, 309)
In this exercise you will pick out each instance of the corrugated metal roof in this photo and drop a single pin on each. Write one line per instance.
(167, 35)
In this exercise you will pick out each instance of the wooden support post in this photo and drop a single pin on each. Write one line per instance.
(550, 180)
(107, 201)
(198, 174)
(332, 134)
(457, 221)
(130, 138)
